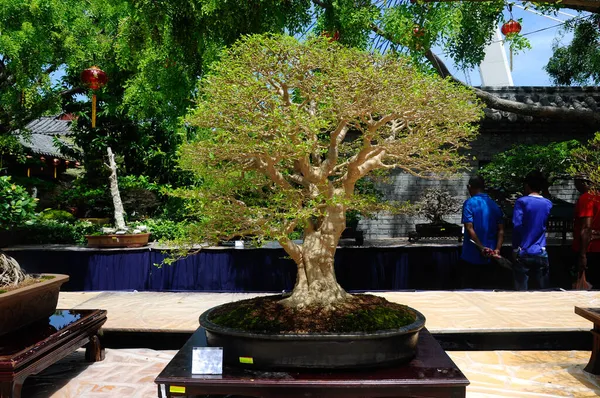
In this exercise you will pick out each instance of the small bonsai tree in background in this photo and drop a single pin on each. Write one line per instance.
(292, 127)
(437, 203)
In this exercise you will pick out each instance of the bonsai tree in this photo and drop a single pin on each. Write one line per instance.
(291, 127)
(436, 203)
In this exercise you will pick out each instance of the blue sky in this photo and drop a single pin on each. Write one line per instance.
(528, 67)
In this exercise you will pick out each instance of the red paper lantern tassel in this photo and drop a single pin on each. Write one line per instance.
(94, 111)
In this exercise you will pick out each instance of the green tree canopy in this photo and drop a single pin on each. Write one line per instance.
(508, 169)
(290, 129)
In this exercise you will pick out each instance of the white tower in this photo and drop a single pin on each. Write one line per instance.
(494, 70)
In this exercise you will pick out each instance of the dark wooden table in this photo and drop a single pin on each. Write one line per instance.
(430, 374)
(592, 314)
(33, 348)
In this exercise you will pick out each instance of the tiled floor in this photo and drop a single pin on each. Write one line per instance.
(445, 311)
(130, 373)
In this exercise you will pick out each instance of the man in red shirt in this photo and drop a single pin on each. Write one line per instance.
(587, 221)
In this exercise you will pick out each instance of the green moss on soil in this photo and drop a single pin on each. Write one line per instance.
(364, 313)
(3, 291)
(47, 277)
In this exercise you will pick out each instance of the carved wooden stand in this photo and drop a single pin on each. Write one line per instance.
(33, 348)
(430, 374)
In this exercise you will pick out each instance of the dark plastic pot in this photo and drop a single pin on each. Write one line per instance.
(314, 351)
(438, 230)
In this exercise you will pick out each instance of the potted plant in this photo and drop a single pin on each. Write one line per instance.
(434, 205)
(121, 235)
(17, 207)
(290, 129)
(25, 299)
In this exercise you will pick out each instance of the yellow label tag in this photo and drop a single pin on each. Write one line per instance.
(177, 389)
(246, 360)
(442, 229)
(114, 238)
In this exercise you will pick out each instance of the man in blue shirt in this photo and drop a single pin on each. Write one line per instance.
(529, 235)
(484, 224)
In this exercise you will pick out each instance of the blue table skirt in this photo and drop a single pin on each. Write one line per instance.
(260, 270)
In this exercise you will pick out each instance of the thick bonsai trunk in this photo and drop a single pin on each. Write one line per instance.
(316, 283)
(114, 191)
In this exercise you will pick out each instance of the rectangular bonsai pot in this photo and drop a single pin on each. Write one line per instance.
(23, 306)
(121, 240)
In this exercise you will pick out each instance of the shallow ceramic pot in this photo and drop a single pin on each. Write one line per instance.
(114, 240)
(312, 350)
(26, 305)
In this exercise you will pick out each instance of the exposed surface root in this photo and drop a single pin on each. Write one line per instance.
(11, 273)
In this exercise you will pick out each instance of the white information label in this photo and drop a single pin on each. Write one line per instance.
(207, 360)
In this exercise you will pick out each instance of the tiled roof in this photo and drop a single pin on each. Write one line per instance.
(583, 98)
(49, 125)
(41, 135)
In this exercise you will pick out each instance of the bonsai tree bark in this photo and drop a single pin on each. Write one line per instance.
(291, 127)
(114, 191)
(11, 273)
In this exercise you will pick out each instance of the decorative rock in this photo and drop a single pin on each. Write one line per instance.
(106, 230)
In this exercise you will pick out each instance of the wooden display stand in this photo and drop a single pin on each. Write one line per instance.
(592, 314)
(33, 348)
(430, 374)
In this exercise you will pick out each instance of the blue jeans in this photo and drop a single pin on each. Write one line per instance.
(533, 269)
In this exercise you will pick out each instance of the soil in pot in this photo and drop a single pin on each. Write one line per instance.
(27, 282)
(365, 313)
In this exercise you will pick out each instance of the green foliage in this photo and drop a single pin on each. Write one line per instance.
(579, 61)
(507, 169)
(273, 104)
(57, 232)
(16, 205)
(166, 230)
(36, 38)
(141, 197)
(586, 161)
(56, 215)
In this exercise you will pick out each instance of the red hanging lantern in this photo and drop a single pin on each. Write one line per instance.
(43, 159)
(334, 37)
(56, 161)
(94, 78)
(510, 27)
(418, 31)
